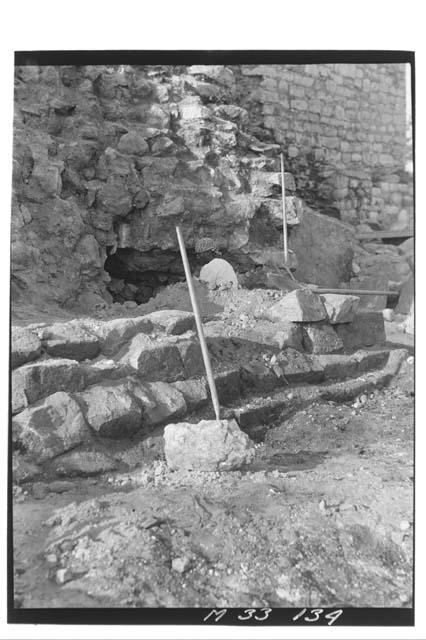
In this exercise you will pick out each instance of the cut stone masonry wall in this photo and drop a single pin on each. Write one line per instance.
(342, 128)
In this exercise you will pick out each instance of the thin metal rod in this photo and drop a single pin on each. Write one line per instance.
(196, 310)
(284, 211)
(358, 292)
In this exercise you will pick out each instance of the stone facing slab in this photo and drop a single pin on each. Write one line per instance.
(366, 330)
(300, 305)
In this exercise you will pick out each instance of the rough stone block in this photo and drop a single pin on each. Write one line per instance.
(255, 375)
(153, 360)
(22, 469)
(70, 340)
(194, 392)
(338, 366)
(192, 358)
(160, 402)
(300, 305)
(300, 367)
(289, 335)
(210, 445)
(172, 321)
(40, 379)
(26, 346)
(368, 360)
(340, 308)
(406, 296)
(110, 410)
(228, 385)
(115, 333)
(321, 338)
(50, 428)
(326, 268)
(104, 369)
(366, 330)
(82, 463)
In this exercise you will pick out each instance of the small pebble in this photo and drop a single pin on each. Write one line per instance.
(51, 558)
(405, 525)
(180, 564)
(63, 576)
(410, 360)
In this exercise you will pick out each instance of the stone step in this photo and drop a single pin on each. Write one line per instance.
(254, 417)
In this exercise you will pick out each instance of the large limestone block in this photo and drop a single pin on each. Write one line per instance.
(323, 247)
(153, 360)
(300, 305)
(192, 357)
(160, 402)
(115, 333)
(340, 308)
(218, 273)
(172, 321)
(194, 391)
(51, 427)
(40, 379)
(299, 367)
(70, 340)
(366, 330)
(26, 346)
(209, 445)
(111, 410)
(321, 338)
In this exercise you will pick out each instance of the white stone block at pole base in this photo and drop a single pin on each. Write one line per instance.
(209, 445)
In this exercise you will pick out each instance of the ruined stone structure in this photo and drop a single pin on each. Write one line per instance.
(107, 160)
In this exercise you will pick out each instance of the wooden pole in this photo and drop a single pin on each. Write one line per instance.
(357, 292)
(284, 211)
(196, 310)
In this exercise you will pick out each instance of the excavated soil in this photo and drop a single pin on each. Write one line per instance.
(323, 517)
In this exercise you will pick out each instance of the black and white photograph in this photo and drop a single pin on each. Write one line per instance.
(212, 335)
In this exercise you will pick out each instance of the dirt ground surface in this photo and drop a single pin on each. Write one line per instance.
(322, 517)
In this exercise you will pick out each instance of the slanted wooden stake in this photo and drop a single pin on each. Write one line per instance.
(357, 292)
(196, 310)
(284, 211)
